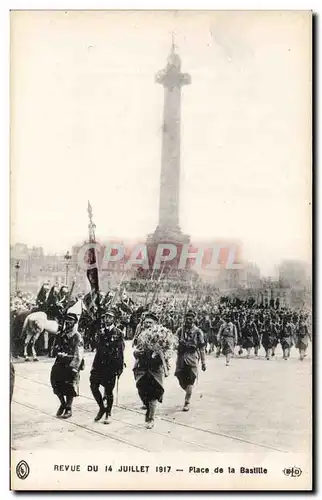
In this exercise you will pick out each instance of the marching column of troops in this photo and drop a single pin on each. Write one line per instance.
(221, 328)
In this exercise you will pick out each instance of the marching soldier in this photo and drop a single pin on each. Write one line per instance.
(228, 338)
(191, 346)
(69, 361)
(108, 364)
(250, 336)
(213, 335)
(270, 336)
(302, 337)
(220, 323)
(287, 337)
(149, 371)
(206, 327)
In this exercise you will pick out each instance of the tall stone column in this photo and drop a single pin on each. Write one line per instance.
(172, 80)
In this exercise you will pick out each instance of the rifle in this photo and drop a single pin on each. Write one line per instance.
(149, 287)
(157, 285)
(186, 306)
(118, 292)
(71, 290)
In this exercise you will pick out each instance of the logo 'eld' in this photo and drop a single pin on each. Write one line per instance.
(292, 471)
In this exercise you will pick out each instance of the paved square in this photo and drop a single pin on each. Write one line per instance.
(254, 405)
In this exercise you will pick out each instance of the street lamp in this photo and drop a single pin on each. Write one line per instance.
(67, 258)
(17, 267)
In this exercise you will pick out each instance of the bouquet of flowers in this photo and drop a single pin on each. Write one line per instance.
(159, 340)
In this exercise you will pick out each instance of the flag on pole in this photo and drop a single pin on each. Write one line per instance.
(92, 260)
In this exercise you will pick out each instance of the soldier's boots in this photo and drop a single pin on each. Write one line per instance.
(152, 405)
(68, 411)
(146, 407)
(62, 407)
(61, 410)
(108, 410)
(100, 414)
(107, 419)
(187, 398)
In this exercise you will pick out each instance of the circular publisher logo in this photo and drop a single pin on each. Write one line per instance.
(292, 471)
(22, 469)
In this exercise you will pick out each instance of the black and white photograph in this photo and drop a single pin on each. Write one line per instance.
(161, 331)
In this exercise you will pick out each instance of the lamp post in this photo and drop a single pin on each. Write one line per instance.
(67, 258)
(17, 267)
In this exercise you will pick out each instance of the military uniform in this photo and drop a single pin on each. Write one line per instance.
(108, 364)
(302, 337)
(69, 361)
(206, 327)
(191, 347)
(269, 336)
(228, 338)
(250, 337)
(149, 371)
(287, 338)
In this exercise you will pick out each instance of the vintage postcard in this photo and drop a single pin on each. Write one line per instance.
(161, 299)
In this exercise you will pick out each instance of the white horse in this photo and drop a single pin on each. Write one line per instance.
(37, 323)
(34, 324)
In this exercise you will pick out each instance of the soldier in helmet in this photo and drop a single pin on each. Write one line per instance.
(191, 347)
(69, 361)
(108, 364)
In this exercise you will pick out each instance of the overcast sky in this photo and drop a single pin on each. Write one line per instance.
(87, 124)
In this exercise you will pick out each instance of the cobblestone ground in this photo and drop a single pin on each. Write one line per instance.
(254, 405)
